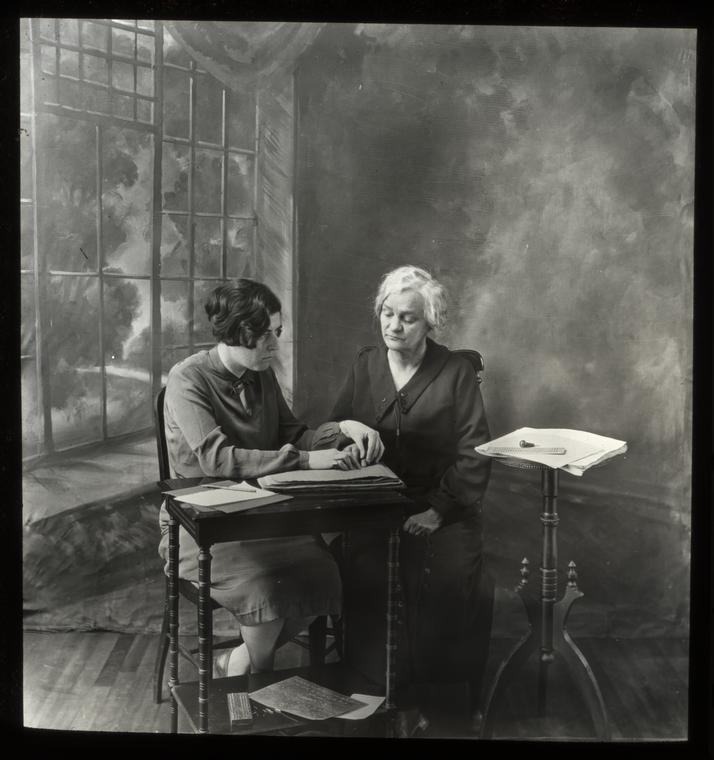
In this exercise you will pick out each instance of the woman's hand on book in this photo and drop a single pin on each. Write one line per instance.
(367, 440)
(334, 459)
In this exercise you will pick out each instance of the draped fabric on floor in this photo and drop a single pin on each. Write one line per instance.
(244, 54)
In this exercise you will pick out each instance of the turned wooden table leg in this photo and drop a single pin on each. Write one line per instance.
(576, 661)
(173, 618)
(205, 637)
(549, 580)
(517, 657)
(393, 595)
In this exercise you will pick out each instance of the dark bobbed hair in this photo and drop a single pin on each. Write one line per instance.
(239, 311)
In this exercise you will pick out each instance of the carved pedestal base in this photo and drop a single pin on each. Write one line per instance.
(549, 636)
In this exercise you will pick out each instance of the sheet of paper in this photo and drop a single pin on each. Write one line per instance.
(214, 497)
(574, 449)
(305, 699)
(184, 491)
(371, 705)
(242, 487)
(582, 449)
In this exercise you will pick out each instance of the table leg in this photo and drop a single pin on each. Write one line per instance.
(577, 663)
(393, 595)
(345, 611)
(173, 617)
(547, 633)
(205, 636)
(516, 659)
(549, 579)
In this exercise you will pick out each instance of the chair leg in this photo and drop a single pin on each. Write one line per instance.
(161, 655)
(318, 640)
(337, 633)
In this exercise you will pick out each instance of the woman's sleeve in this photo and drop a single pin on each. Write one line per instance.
(326, 436)
(190, 406)
(464, 482)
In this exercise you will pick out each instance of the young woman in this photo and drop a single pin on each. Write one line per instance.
(226, 416)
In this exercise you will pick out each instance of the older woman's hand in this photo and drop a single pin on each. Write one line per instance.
(334, 459)
(366, 439)
(423, 523)
(350, 459)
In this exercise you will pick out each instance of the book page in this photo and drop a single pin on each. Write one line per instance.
(305, 699)
(331, 476)
(372, 476)
(581, 449)
(213, 497)
(509, 446)
(371, 705)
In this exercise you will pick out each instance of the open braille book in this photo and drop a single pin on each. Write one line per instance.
(373, 476)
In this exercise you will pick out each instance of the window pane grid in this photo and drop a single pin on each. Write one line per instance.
(102, 72)
(97, 68)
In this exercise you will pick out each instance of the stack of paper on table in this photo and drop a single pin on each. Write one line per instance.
(372, 476)
(305, 699)
(582, 450)
(226, 496)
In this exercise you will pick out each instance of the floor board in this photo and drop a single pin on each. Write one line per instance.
(99, 681)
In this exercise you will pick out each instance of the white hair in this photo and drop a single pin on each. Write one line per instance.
(420, 281)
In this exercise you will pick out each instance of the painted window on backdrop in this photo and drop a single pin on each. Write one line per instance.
(137, 197)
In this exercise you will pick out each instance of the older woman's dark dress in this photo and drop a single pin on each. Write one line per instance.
(429, 428)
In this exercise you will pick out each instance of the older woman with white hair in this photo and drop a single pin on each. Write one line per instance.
(424, 401)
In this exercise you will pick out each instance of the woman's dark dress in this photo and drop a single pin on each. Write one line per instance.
(429, 428)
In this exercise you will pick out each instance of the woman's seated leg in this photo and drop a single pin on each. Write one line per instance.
(234, 662)
(261, 641)
(292, 627)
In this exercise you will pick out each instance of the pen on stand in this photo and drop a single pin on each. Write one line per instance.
(532, 449)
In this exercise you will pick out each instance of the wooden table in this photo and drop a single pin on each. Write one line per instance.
(547, 617)
(305, 514)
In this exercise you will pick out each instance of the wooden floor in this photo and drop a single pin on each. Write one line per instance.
(103, 682)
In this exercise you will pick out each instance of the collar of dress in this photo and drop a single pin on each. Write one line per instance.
(384, 394)
(220, 369)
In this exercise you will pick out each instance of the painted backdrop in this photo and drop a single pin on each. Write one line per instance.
(545, 175)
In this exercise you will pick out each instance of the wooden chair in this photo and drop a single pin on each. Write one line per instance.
(475, 358)
(487, 586)
(315, 642)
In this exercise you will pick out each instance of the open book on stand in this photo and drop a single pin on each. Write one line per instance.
(574, 451)
(373, 476)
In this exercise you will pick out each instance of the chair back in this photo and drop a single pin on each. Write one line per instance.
(161, 447)
(475, 358)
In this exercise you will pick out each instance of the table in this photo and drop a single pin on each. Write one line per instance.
(547, 618)
(305, 514)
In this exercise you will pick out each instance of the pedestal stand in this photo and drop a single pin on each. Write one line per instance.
(547, 618)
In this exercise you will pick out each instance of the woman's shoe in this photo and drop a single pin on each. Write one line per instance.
(410, 724)
(231, 662)
(220, 664)
(476, 722)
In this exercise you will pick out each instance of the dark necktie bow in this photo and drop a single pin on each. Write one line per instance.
(246, 382)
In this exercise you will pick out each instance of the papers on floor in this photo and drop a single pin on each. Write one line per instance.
(372, 476)
(582, 450)
(229, 495)
(308, 700)
(371, 705)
